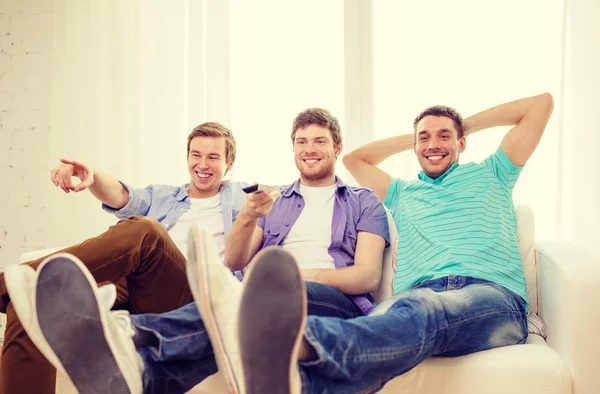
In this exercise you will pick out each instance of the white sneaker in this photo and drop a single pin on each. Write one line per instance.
(68, 318)
(217, 294)
(265, 315)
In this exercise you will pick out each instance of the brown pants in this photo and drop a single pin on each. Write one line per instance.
(138, 256)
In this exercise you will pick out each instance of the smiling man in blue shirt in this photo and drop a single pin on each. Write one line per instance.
(141, 253)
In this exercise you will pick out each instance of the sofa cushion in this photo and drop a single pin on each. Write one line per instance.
(526, 242)
(390, 256)
(530, 368)
(36, 254)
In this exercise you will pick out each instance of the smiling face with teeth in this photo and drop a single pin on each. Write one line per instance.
(437, 145)
(207, 165)
(315, 155)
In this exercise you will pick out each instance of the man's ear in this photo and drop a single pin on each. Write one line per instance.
(338, 149)
(462, 144)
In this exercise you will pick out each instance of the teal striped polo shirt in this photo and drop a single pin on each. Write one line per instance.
(462, 223)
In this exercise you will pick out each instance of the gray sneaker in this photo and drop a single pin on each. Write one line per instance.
(70, 321)
(271, 323)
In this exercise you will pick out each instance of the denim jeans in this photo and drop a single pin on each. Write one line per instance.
(184, 356)
(450, 316)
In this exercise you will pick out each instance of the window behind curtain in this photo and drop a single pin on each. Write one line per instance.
(470, 54)
(285, 57)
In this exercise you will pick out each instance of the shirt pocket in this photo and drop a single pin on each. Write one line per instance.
(347, 243)
(350, 233)
(272, 234)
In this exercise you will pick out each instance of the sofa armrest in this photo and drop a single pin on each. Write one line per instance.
(569, 287)
(36, 254)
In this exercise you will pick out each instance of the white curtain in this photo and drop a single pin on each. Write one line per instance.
(579, 161)
(95, 104)
(128, 86)
(131, 78)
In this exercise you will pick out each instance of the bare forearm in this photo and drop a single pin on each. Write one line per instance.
(357, 279)
(507, 114)
(109, 190)
(377, 151)
(362, 162)
(239, 243)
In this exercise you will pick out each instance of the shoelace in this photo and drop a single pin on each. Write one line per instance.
(123, 321)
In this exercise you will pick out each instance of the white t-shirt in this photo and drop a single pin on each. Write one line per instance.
(310, 237)
(209, 213)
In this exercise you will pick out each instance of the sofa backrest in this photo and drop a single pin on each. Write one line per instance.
(525, 240)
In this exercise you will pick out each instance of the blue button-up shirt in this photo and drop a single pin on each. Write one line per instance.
(166, 204)
(355, 209)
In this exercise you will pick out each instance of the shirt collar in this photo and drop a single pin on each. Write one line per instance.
(295, 187)
(425, 178)
(182, 194)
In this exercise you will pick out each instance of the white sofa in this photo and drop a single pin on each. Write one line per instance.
(562, 281)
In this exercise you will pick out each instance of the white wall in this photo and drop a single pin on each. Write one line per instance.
(25, 89)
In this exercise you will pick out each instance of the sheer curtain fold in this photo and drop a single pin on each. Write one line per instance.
(120, 100)
(131, 78)
(580, 190)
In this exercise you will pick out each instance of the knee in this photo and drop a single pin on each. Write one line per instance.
(147, 226)
(511, 332)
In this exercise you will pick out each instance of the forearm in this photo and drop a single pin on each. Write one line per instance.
(377, 151)
(507, 114)
(356, 279)
(239, 243)
(109, 190)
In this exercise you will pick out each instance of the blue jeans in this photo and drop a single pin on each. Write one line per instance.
(184, 356)
(450, 316)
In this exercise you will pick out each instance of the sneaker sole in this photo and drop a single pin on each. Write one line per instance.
(70, 319)
(271, 322)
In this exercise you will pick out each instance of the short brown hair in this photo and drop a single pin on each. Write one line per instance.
(214, 129)
(441, 110)
(321, 117)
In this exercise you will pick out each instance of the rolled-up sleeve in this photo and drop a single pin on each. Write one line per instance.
(261, 222)
(137, 205)
(373, 218)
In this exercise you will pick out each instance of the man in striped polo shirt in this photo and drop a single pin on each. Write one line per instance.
(459, 285)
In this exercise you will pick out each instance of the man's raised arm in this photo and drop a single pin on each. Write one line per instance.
(529, 116)
(103, 186)
(362, 162)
